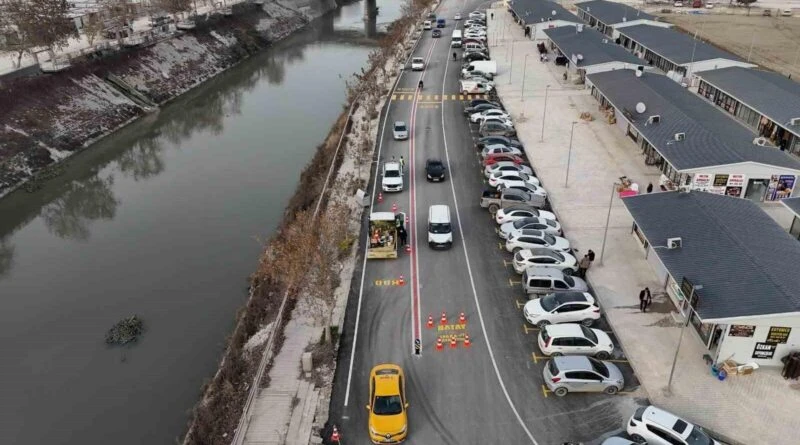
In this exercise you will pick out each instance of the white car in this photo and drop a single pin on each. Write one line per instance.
(562, 307)
(474, 27)
(659, 427)
(514, 213)
(400, 131)
(392, 177)
(475, 36)
(525, 186)
(475, 31)
(503, 120)
(502, 177)
(426, 25)
(545, 257)
(417, 64)
(477, 15)
(532, 238)
(506, 166)
(575, 339)
(678, 4)
(480, 116)
(457, 16)
(533, 222)
(499, 148)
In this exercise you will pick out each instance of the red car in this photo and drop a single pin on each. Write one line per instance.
(491, 159)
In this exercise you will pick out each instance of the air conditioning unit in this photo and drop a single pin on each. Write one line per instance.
(674, 243)
(654, 119)
(760, 141)
(795, 121)
(680, 136)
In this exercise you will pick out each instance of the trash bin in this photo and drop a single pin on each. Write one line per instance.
(722, 375)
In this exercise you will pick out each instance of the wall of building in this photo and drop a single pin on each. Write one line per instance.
(740, 349)
(742, 174)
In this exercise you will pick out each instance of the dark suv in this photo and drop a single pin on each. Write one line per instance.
(434, 170)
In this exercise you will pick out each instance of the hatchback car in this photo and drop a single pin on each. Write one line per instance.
(574, 339)
(457, 16)
(493, 159)
(496, 129)
(417, 64)
(392, 177)
(506, 166)
(503, 177)
(436, 33)
(563, 375)
(434, 170)
(530, 238)
(477, 15)
(658, 427)
(400, 131)
(388, 418)
(562, 307)
(543, 280)
(497, 149)
(545, 257)
(545, 225)
(488, 140)
(513, 213)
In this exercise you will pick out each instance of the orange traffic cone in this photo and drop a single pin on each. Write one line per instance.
(462, 319)
(335, 435)
(401, 281)
(406, 219)
(453, 342)
(408, 248)
(380, 197)
(394, 207)
(439, 345)
(444, 319)
(430, 321)
(467, 343)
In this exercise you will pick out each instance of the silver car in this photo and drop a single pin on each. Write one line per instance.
(400, 131)
(576, 373)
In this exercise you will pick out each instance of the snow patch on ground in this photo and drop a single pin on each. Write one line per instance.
(227, 41)
(259, 338)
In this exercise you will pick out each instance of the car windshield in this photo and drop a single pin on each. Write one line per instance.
(698, 437)
(588, 333)
(435, 165)
(550, 239)
(439, 228)
(388, 405)
(392, 173)
(400, 127)
(549, 302)
(570, 281)
(417, 60)
(520, 223)
(599, 367)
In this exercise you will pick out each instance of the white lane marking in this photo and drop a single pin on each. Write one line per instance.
(472, 279)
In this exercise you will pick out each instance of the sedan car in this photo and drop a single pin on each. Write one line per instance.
(457, 16)
(434, 170)
(525, 186)
(533, 222)
(417, 64)
(502, 177)
(506, 166)
(498, 140)
(388, 418)
(497, 129)
(472, 57)
(480, 116)
(477, 15)
(574, 339)
(562, 307)
(436, 33)
(477, 108)
(475, 30)
(563, 375)
(478, 37)
(400, 131)
(658, 427)
(493, 159)
(499, 148)
(544, 257)
(515, 212)
(531, 238)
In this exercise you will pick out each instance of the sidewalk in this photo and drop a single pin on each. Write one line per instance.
(756, 409)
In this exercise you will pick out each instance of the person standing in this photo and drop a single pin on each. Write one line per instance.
(648, 298)
(402, 164)
(491, 15)
(642, 300)
(650, 188)
(583, 266)
(403, 236)
(590, 254)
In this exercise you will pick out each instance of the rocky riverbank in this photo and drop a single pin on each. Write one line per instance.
(46, 119)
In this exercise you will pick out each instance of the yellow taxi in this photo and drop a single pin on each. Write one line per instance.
(388, 422)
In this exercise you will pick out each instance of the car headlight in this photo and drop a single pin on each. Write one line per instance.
(430, 177)
(372, 431)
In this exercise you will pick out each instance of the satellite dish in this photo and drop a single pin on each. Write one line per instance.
(554, 13)
(641, 107)
(638, 73)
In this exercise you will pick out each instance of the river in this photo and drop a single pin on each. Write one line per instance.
(163, 219)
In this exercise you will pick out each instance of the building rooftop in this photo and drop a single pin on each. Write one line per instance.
(589, 43)
(792, 204)
(771, 94)
(538, 11)
(712, 137)
(747, 264)
(674, 45)
(612, 13)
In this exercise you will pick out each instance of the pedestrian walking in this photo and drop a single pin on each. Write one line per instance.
(393, 160)
(650, 188)
(402, 164)
(583, 266)
(590, 254)
(491, 15)
(648, 298)
(642, 300)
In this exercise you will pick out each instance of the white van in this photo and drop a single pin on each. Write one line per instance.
(486, 66)
(474, 46)
(469, 86)
(455, 41)
(440, 230)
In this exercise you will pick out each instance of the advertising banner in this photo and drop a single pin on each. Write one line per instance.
(741, 330)
(701, 181)
(721, 180)
(778, 334)
(733, 191)
(764, 350)
(736, 181)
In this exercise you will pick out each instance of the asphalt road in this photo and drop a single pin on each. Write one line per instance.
(487, 393)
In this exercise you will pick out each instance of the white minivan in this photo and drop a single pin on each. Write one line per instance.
(485, 66)
(440, 230)
(455, 41)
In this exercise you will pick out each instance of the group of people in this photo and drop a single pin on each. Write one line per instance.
(585, 263)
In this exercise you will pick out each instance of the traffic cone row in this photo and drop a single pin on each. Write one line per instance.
(453, 343)
(394, 207)
(401, 281)
(380, 197)
(439, 345)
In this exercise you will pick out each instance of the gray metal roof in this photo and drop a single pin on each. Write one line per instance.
(589, 43)
(771, 94)
(538, 11)
(747, 264)
(792, 204)
(674, 45)
(712, 136)
(612, 13)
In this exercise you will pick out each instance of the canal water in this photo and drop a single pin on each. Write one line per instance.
(163, 219)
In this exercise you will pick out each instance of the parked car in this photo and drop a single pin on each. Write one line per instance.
(494, 200)
(502, 177)
(497, 129)
(499, 148)
(388, 419)
(477, 15)
(457, 16)
(563, 375)
(658, 427)
(476, 31)
(678, 4)
(498, 140)
(562, 307)
(541, 280)
(480, 38)
(426, 25)
(480, 79)
(473, 56)
(525, 186)
(786, 12)
(574, 339)
(479, 73)
(530, 238)
(493, 159)
(417, 64)
(392, 177)
(478, 108)
(533, 222)
(545, 257)
(434, 170)
(480, 116)
(617, 441)
(515, 212)
(400, 131)
(436, 33)
(506, 166)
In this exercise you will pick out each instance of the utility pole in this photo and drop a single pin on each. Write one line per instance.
(680, 338)
(569, 155)
(544, 112)
(608, 219)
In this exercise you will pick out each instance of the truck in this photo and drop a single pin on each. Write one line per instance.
(385, 230)
(495, 200)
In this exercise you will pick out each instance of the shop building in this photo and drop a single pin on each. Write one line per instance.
(694, 144)
(583, 50)
(679, 55)
(607, 16)
(538, 15)
(728, 267)
(793, 204)
(767, 102)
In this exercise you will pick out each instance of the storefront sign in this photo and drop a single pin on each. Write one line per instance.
(778, 334)
(702, 180)
(736, 181)
(716, 190)
(733, 191)
(764, 350)
(741, 330)
(721, 180)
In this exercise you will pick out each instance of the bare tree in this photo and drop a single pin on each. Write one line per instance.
(93, 27)
(39, 23)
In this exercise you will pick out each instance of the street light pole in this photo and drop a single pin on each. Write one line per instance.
(524, 70)
(569, 155)
(680, 339)
(608, 219)
(511, 66)
(544, 112)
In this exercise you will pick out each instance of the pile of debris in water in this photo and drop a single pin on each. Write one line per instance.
(125, 331)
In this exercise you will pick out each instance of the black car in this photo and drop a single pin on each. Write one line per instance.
(489, 140)
(481, 107)
(476, 102)
(436, 33)
(434, 170)
(471, 57)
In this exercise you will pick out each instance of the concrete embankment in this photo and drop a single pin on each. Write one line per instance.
(48, 118)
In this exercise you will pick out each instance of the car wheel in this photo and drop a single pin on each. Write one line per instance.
(587, 322)
(542, 323)
(637, 438)
(611, 390)
(602, 355)
(493, 208)
(560, 391)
